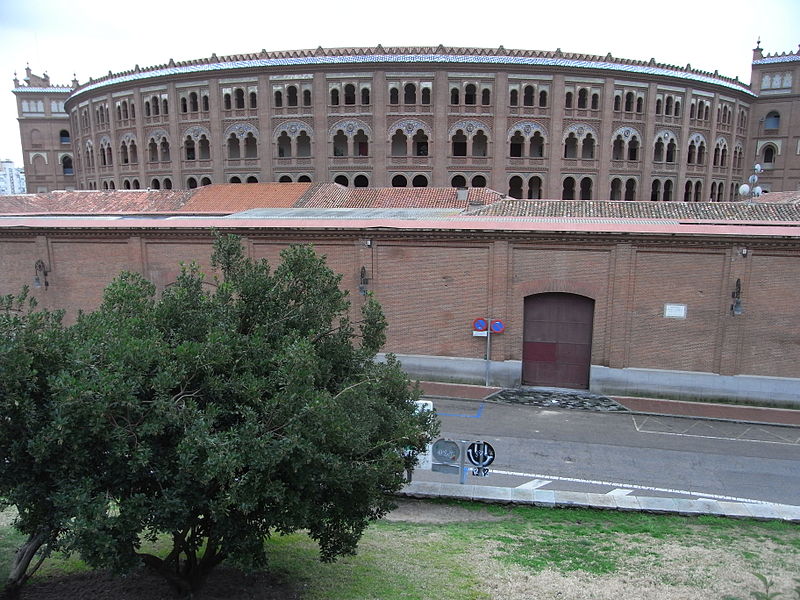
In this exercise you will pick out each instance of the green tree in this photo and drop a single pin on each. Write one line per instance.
(222, 413)
(33, 348)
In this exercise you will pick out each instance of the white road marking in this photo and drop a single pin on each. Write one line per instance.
(640, 428)
(633, 487)
(534, 484)
(618, 492)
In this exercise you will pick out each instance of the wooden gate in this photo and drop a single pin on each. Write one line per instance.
(557, 340)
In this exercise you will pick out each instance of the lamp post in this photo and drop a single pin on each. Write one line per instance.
(748, 192)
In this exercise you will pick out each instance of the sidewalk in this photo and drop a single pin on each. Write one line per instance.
(653, 406)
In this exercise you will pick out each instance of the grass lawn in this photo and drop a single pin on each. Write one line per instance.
(463, 551)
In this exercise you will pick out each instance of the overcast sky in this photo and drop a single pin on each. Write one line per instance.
(91, 37)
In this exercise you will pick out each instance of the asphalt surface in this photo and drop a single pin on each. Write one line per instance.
(624, 454)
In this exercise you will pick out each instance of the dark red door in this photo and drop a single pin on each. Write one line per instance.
(557, 340)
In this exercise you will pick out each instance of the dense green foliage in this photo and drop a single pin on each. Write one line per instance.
(219, 414)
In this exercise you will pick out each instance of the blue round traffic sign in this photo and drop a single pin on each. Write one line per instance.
(498, 326)
(480, 325)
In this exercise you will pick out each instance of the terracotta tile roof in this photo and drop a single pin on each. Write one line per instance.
(780, 197)
(679, 211)
(397, 198)
(96, 202)
(226, 198)
(324, 195)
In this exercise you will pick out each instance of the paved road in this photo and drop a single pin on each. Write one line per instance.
(626, 454)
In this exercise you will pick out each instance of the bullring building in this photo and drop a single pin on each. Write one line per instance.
(529, 124)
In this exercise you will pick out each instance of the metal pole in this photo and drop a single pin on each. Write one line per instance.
(488, 352)
(462, 472)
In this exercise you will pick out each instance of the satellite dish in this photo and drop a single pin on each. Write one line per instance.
(744, 189)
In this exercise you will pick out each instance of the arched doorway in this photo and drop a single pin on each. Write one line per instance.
(557, 340)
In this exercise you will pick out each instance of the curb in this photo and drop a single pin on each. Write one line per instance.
(765, 511)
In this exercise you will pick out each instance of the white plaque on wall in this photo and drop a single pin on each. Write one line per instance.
(674, 311)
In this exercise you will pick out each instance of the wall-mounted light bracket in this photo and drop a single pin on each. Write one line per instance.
(40, 274)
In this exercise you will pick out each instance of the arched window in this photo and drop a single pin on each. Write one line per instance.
(568, 100)
(479, 181)
(426, 95)
(205, 181)
(239, 97)
(250, 146)
(617, 103)
(359, 181)
(658, 151)
(595, 101)
(226, 102)
(349, 94)
(278, 99)
(586, 188)
(394, 96)
(123, 154)
(399, 181)
(537, 146)
(306, 97)
(690, 158)
(616, 190)
(583, 98)
(184, 107)
(772, 120)
(470, 94)
(698, 191)
(191, 183)
(486, 97)
(640, 105)
(66, 165)
(164, 111)
(633, 149)
(205, 103)
(253, 100)
(361, 143)
(419, 181)
(399, 143)
(334, 97)
(629, 102)
(303, 145)
(513, 99)
(667, 191)
(193, 102)
(671, 151)
(655, 190)
(515, 187)
(677, 108)
(251, 179)
(155, 184)
(126, 185)
(587, 148)
(154, 106)
(205, 148)
(701, 153)
(234, 150)
(630, 190)
(291, 95)
(134, 153)
(454, 96)
(459, 143)
(535, 188)
(571, 146)
(152, 151)
(340, 144)
(284, 145)
(515, 146)
(188, 147)
(365, 97)
(236, 179)
(307, 179)
(420, 141)
(618, 149)
(480, 144)
(283, 179)
(458, 181)
(527, 96)
(713, 191)
(146, 108)
(659, 104)
(769, 154)
(164, 150)
(568, 189)
(410, 94)
(692, 111)
(543, 98)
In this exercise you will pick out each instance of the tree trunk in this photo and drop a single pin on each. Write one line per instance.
(22, 559)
